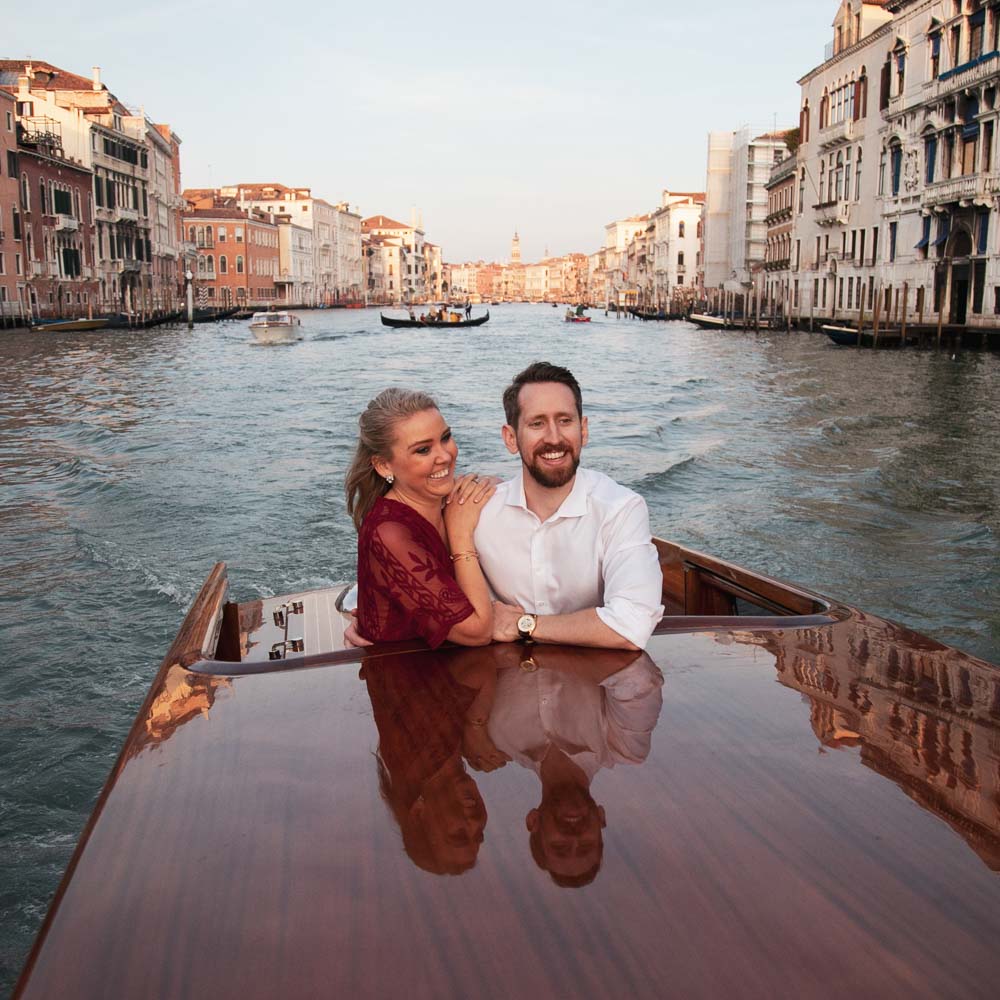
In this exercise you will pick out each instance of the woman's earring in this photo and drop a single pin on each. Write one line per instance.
(390, 479)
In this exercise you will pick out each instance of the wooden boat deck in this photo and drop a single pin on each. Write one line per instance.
(816, 816)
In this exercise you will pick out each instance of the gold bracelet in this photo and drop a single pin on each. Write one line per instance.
(459, 555)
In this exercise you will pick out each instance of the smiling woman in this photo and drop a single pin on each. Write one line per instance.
(418, 572)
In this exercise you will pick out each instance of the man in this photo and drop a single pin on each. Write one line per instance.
(567, 551)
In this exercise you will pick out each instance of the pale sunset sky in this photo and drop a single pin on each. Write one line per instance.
(552, 118)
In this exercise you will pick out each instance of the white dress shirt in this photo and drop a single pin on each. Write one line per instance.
(595, 725)
(595, 551)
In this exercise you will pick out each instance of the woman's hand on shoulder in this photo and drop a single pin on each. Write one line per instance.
(474, 488)
(465, 504)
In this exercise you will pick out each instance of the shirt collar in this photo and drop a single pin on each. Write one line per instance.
(575, 505)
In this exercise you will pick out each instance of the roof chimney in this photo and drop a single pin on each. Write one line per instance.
(96, 85)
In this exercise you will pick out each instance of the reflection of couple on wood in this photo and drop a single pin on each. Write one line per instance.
(566, 551)
(556, 713)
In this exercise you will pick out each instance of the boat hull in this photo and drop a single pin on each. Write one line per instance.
(59, 326)
(251, 842)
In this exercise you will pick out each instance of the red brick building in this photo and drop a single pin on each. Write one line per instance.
(11, 257)
(57, 229)
(238, 258)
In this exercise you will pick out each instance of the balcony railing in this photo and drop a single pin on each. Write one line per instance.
(129, 265)
(66, 224)
(833, 213)
(834, 134)
(123, 214)
(969, 72)
(957, 189)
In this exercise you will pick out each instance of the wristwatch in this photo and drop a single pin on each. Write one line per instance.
(526, 626)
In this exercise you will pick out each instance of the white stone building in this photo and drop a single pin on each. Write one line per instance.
(735, 232)
(675, 247)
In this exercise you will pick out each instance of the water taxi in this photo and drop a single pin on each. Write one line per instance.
(783, 796)
(64, 325)
(275, 327)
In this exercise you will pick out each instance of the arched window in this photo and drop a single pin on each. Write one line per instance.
(896, 162)
(201, 265)
(804, 123)
(42, 200)
(857, 177)
(25, 193)
(847, 173)
(802, 190)
(210, 264)
(239, 264)
(838, 182)
(191, 235)
(680, 230)
(223, 265)
(208, 235)
(822, 181)
(680, 259)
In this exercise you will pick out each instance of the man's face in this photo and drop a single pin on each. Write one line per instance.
(571, 827)
(549, 435)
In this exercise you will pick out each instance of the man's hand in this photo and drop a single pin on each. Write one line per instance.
(352, 637)
(505, 618)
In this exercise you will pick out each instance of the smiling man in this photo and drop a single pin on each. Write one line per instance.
(567, 550)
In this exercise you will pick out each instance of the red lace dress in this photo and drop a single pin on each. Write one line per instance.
(406, 580)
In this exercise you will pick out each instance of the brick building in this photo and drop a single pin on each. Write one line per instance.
(238, 258)
(10, 249)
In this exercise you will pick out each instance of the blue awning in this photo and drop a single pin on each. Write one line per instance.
(944, 228)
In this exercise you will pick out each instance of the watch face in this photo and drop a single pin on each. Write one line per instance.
(526, 623)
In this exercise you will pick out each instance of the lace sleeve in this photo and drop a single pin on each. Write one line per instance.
(417, 580)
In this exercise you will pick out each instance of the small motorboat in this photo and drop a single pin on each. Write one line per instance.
(577, 319)
(60, 325)
(275, 328)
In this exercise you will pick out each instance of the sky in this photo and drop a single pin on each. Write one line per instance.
(551, 119)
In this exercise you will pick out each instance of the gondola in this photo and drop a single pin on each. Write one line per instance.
(401, 323)
(782, 781)
(844, 336)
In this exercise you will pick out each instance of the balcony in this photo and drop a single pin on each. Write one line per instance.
(66, 224)
(778, 265)
(833, 135)
(968, 73)
(39, 269)
(122, 214)
(833, 213)
(128, 265)
(284, 279)
(962, 190)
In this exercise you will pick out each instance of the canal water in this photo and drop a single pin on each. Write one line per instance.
(131, 462)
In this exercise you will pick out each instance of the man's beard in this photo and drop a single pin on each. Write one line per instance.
(556, 478)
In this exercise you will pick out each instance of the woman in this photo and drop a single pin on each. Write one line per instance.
(418, 571)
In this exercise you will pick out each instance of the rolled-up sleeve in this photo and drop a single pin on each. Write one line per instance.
(633, 581)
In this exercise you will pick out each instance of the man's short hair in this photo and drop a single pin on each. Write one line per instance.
(539, 371)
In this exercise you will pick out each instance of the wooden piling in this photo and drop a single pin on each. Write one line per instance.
(861, 320)
(906, 296)
(878, 313)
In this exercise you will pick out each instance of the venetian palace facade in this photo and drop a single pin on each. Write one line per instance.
(896, 184)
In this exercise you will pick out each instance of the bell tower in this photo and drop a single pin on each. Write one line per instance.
(515, 249)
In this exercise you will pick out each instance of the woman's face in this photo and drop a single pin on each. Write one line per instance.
(454, 819)
(423, 457)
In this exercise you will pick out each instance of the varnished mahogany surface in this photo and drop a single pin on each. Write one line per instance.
(817, 816)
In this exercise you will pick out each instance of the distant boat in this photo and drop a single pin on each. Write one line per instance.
(389, 321)
(275, 328)
(576, 319)
(707, 322)
(59, 325)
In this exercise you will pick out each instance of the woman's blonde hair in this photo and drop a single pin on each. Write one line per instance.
(376, 433)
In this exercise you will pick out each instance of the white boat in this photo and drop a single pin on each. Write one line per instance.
(275, 328)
